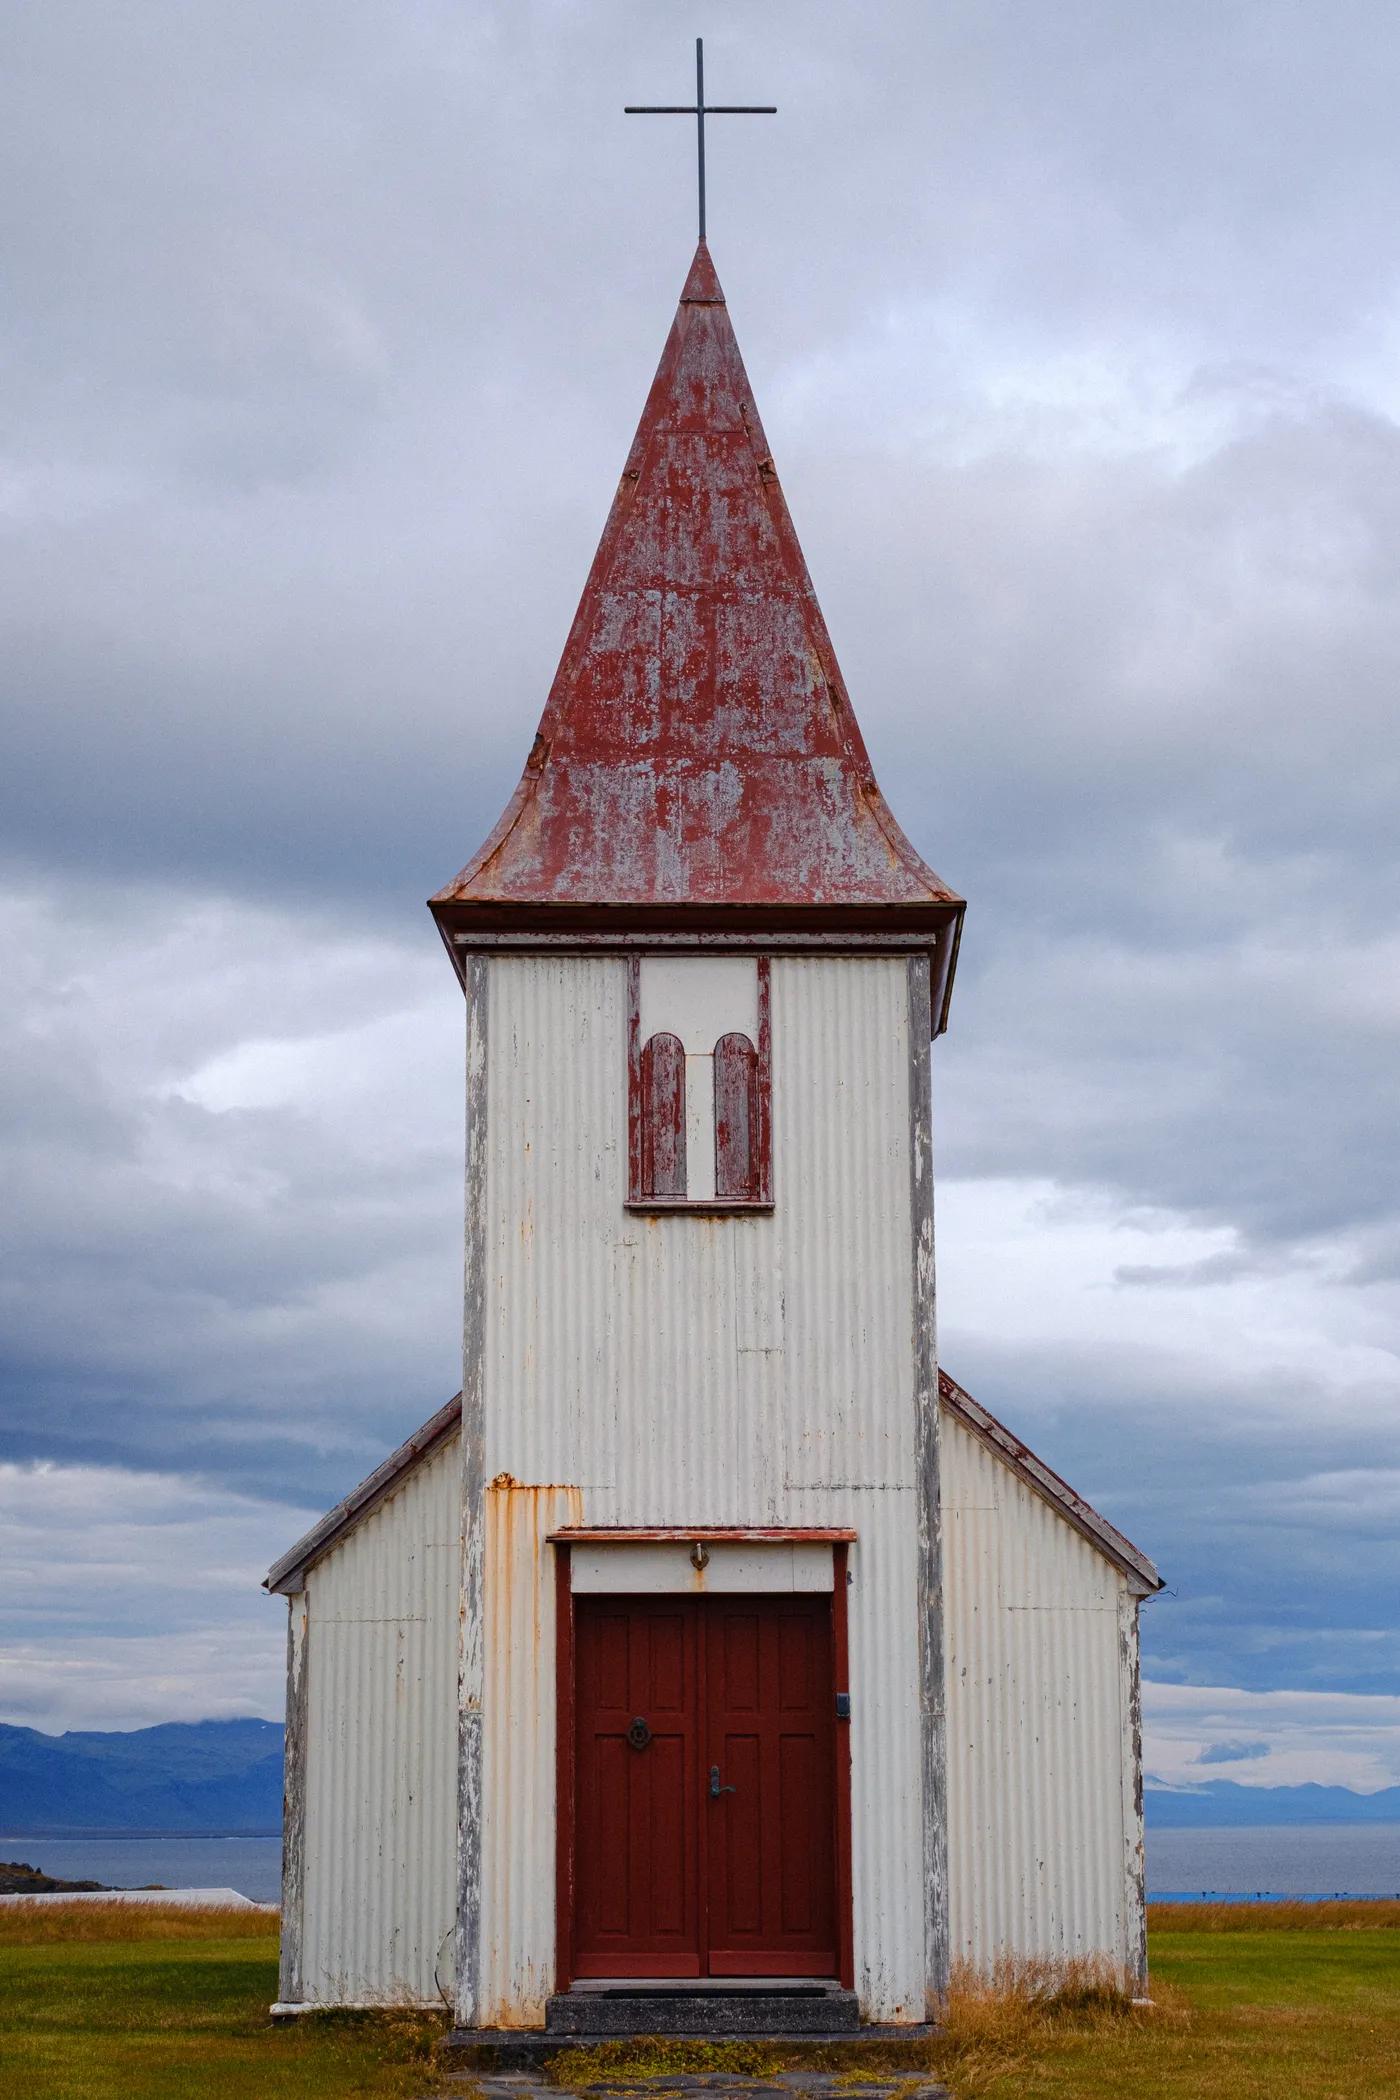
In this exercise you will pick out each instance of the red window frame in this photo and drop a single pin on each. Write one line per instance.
(641, 1150)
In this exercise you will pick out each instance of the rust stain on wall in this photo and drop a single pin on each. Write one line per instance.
(518, 1587)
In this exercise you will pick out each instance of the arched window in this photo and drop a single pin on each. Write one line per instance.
(663, 1116)
(737, 1174)
(699, 1083)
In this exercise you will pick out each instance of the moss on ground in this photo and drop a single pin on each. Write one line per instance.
(661, 2056)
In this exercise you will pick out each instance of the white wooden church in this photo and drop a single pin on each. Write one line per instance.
(711, 1633)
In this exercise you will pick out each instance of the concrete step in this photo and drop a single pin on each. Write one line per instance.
(728, 2009)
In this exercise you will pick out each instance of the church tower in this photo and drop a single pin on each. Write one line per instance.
(702, 1663)
(711, 1635)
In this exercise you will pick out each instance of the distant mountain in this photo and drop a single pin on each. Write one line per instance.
(184, 1775)
(1224, 1804)
(227, 1775)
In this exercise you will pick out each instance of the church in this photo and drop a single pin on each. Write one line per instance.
(712, 1646)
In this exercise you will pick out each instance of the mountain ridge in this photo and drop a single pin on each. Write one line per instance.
(206, 1776)
(1223, 1804)
(179, 1775)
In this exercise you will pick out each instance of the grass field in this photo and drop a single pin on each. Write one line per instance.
(1251, 2003)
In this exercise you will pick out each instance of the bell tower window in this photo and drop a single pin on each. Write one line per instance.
(663, 1120)
(699, 1083)
(736, 1118)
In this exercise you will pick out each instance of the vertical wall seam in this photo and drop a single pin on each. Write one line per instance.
(470, 1656)
(932, 1714)
(289, 1979)
(1134, 1835)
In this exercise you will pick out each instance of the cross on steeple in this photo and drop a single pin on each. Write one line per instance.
(700, 111)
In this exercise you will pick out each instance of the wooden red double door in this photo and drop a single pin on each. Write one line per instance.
(706, 1797)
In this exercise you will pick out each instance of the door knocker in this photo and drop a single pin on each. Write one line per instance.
(639, 1735)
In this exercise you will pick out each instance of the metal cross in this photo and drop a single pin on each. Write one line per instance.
(700, 111)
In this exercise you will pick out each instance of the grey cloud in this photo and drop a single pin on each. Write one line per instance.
(1073, 332)
(1280, 1562)
(1215, 1268)
(265, 1290)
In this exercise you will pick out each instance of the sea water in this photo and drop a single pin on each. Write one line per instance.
(1322, 1860)
(129, 1859)
(1353, 1859)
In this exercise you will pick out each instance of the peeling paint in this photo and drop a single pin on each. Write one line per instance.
(698, 745)
(517, 1951)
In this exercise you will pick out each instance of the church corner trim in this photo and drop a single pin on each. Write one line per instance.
(1134, 1828)
(476, 978)
(841, 1672)
(932, 1710)
(289, 1968)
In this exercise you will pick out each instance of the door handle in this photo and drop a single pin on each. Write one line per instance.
(715, 1788)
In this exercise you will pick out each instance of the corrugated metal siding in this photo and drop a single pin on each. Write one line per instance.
(714, 1370)
(381, 1812)
(1035, 1726)
(518, 1707)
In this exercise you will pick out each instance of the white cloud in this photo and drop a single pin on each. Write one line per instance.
(1032, 1261)
(1327, 1738)
(133, 1598)
(99, 1681)
(233, 1234)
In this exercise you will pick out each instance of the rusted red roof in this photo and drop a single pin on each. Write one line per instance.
(698, 748)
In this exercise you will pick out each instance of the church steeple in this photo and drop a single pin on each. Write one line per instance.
(698, 765)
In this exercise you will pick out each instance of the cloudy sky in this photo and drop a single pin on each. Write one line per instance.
(1076, 331)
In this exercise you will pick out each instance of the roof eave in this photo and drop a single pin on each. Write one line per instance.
(934, 928)
(287, 1575)
(1140, 1572)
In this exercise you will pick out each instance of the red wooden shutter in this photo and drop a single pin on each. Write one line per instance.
(737, 1175)
(663, 1116)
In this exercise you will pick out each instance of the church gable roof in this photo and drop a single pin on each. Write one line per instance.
(1085, 1519)
(698, 747)
(289, 1573)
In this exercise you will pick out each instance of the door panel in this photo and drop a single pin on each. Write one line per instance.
(635, 1809)
(670, 1879)
(771, 1880)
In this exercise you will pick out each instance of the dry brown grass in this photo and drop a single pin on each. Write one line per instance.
(999, 2022)
(1273, 1917)
(46, 1924)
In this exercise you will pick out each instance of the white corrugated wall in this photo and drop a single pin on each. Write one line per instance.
(381, 1804)
(711, 1371)
(1035, 1723)
(645, 1370)
(1034, 1730)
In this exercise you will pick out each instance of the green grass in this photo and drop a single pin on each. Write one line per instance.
(169, 2019)
(1251, 2005)
(1247, 2007)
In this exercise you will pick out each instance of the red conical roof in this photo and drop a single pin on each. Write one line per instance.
(698, 750)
